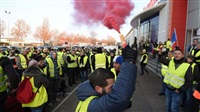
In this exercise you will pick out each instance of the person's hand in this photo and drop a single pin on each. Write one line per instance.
(128, 54)
(176, 91)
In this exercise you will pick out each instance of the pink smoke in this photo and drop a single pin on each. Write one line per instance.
(112, 13)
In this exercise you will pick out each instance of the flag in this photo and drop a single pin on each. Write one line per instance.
(174, 37)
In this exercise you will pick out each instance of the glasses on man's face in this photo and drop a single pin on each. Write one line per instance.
(53, 54)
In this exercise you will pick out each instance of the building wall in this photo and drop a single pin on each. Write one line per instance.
(177, 20)
(130, 37)
(163, 21)
(193, 14)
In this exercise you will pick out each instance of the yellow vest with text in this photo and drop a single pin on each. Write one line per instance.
(84, 61)
(83, 105)
(23, 61)
(40, 98)
(114, 72)
(145, 61)
(2, 78)
(74, 64)
(51, 67)
(100, 61)
(176, 77)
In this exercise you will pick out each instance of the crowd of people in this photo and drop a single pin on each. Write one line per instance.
(108, 77)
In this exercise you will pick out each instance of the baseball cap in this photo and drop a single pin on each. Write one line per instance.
(118, 59)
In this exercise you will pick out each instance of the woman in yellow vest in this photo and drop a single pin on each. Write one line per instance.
(143, 61)
(39, 84)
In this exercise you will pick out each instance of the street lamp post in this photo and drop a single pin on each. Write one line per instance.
(8, 13)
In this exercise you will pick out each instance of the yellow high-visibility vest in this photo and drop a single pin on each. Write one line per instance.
(40, 98)
(145, 61)
(114, 72)
(74, 64)
(83, 105)
(100, 61)
(2, 78)
(176, 77)
(23, 61)
(51, 67)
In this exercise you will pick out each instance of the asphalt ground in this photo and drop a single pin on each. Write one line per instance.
(145, 98)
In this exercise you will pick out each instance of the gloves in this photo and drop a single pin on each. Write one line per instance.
(129, 54)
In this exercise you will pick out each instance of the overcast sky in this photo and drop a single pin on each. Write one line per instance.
(59, 14)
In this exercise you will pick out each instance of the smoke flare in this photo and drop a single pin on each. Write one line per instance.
(112, 13)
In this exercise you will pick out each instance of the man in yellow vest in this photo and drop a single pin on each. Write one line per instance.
(193, 46)
(143, 62)
(100, 93)
(164, 72)
(117, 61)
(187, 95)
(22, 62)
(82, 61)
(99, 60)
(110, 59)
(196, 54)
(54, 73)
(71, 64)
(6, 69)
(178, 79)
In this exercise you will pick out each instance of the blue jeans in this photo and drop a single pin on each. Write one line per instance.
(37, 109)
(83, 75)
(173, 101)
(164, 86)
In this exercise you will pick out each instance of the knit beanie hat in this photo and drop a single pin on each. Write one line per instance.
(118, 59)
(33, 63)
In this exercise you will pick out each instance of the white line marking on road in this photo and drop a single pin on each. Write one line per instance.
(54, 110)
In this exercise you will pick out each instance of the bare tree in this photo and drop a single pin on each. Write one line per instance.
(43, 32)
(2, 27)
(21, 29)
(93, 39)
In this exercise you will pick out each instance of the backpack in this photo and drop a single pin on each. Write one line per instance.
(25, 93)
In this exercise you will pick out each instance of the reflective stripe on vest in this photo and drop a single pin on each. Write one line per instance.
(114, 72)
(196, 94)
(74, 64)
(83, 105)
(40, 98)
(84, 61)
(145, 61)
(2, 78)
(23, 61)
(175, 77)
(164, 69)
(100, 61)
(51, 67)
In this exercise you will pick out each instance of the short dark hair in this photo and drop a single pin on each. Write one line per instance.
(99, 77)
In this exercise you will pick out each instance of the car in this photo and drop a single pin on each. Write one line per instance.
(3, 47)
